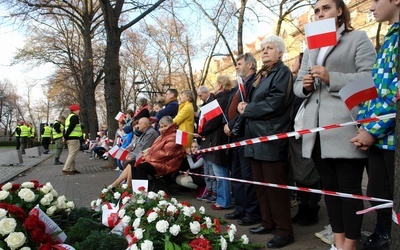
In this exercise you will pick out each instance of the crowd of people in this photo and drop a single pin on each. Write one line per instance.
(269, 103)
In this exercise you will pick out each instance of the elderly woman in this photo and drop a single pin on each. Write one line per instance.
(185, 117)
(267, 113)
(162, 158)
(142, 111)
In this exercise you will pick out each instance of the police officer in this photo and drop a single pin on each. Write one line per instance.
(58, 133)
(46, 137)
(72, 135)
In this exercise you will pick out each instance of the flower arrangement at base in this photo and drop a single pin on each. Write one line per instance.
(21, 216)
(150, 220)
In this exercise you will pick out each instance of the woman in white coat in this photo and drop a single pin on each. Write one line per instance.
(323, 73)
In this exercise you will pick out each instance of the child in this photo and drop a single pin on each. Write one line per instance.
(196, 164)
(379, 137)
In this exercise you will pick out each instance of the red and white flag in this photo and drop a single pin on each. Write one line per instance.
(208, 112)
(241, 88)
(358, 91)
(118, 153)
(120, 116)
(181, 137)
(321, 33)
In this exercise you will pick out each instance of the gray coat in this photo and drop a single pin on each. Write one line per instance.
(268, 113)
(351, 58)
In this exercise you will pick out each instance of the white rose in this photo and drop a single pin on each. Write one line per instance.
(139, 212)
(48, 184)
(25, 248)
(162, 203)
(28, 184)
(7, 225)
(7, 186)
(45, 201)
(171, 209)
(27, 195)
(3, 213)
(61, 202)
(232, 227)
(124, 186)
(121, 213)
(70, 204)
(152, 217)
(125, 200)
(224, 244)
(161, 194)
(98, 202)
(231, 235)
(138, 233)
(133, 247)
(49, 196)
(117, 195)
(45, 189)
(174, 201)
(104, 191)
(140, 201)
(189, 211)
(208, 222)
(156, 209)
(15, 240)
(126, 219)
(162, 226)
(147, 245)
(202, 210)
(152, 195)
(195, 227)
(54, 193)
(175, 230)
(136, 223)
(3, 195)
(245, 239)
(51, 210)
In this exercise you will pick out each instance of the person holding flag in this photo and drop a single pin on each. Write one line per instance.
(211, 125)
(267, 112)
(326, 68)
(379, 137)
(185, 117)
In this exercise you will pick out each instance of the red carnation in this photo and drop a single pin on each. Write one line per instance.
(142, 189)
(185, 203)
(15, 186)
(37, 235)
(47, 246)
(35, 183)
(196, 217)
(127, 229)
(217, 226)
(18, 213)
(200, 244)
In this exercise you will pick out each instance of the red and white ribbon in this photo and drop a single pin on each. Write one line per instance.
(396, 217)
(294, 133)
(374, 208)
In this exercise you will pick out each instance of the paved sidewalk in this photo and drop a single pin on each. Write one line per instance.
(85, 187)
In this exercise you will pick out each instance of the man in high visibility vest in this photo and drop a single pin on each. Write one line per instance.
(46, 137)
(72, 135)
(17, 133)
(58, 133)
(31, 136)
(24, 137)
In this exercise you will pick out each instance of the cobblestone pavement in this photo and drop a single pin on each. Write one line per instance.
(96, 174)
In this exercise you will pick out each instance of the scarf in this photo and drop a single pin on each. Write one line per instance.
(262, 73)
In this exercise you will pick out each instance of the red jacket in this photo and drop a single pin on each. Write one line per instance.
(165, 155)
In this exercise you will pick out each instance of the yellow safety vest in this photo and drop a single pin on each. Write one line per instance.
(47, 132)
(24, 131)
(77, 132)
(55, 134)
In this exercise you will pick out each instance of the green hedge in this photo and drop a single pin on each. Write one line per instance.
(13, 143)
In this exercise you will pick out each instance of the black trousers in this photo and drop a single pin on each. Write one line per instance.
(246, 201)
(142, 170)
(341, 175)
(381, 185)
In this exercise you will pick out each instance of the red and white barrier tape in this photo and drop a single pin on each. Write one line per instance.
(396, 217)
(293, 133)
(374, 208)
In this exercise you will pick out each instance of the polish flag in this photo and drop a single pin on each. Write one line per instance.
(241, 88)
(181, 137)
(358, 91)
(120, 116)
(118, 153)
(321, 33)
(209, 112)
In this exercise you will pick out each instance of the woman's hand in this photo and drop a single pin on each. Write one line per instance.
(321, 73)
(363, 140)
(241, 107)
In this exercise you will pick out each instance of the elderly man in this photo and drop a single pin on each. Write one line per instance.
(144, 141)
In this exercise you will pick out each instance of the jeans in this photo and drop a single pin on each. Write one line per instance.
(223, 186)
(211, 183)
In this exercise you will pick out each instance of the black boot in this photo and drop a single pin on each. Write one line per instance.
(311, 218)
(58, 162)
(301, 212)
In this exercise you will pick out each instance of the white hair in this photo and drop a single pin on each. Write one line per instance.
(276, 40)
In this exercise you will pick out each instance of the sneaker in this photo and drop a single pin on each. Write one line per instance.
(333, 247)
(212, 199)
(327, 230)
(376, 241)
(329, 238)
(116, 169)
(91, 158)
(204, 197)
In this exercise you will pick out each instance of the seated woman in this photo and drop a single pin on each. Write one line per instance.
(196, 163)
(162, 158)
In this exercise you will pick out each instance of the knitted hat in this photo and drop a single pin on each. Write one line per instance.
(127, 129)
(74, 107)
